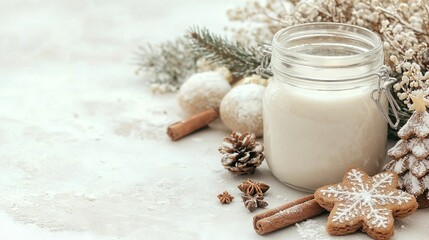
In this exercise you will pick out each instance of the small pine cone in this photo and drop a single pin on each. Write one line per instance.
(242, 154)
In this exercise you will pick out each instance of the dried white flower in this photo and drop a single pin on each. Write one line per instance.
(402, 24)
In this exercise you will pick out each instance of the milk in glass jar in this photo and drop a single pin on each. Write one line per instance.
(319, 115)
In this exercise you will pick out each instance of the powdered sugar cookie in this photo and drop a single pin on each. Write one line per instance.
(202, 91)
(241, 109)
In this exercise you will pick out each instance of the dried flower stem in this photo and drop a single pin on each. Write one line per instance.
(397, 17)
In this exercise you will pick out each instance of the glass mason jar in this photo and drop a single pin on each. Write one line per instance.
(319, 116)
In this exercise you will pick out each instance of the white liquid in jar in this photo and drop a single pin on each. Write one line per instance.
(313, 137)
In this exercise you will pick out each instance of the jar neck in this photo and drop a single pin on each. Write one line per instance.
(370, 81)
(326, 54)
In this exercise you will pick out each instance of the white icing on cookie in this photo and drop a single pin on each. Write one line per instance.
(357, 198)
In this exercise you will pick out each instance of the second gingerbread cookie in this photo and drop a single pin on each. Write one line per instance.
(365, 202)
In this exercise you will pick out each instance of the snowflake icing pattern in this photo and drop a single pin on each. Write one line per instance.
(369, 199)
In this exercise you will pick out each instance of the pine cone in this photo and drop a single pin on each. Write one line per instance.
(242, 153)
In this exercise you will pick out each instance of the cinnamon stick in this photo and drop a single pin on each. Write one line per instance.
(183, 128)
(287, 214)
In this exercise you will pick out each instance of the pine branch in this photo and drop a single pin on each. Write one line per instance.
(239, 59)
(170, 63)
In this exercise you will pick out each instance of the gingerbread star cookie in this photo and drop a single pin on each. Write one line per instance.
(365, 202)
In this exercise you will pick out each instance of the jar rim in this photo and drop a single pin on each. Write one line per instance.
(327, 25)
(327, 52)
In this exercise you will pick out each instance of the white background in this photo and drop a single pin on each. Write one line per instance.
(83, 150)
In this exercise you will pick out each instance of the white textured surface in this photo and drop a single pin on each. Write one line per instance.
(83, 154)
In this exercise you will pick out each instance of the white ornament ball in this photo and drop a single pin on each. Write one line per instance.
(241, 109)
(202, 91)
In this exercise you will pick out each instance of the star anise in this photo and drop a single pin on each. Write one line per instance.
(225, 197)
(250, 187)
(254, 202)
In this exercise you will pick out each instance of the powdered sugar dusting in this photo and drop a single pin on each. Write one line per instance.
(312, 230)
(202, 91)
(251, 94)
(241, 108)
(200, 83)
(412, 184)
(424, 128)
(426, 181)
(399, 150)
(418, 168)
(294, 209)
(419, 147)
(400, 166)
(418, 124)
